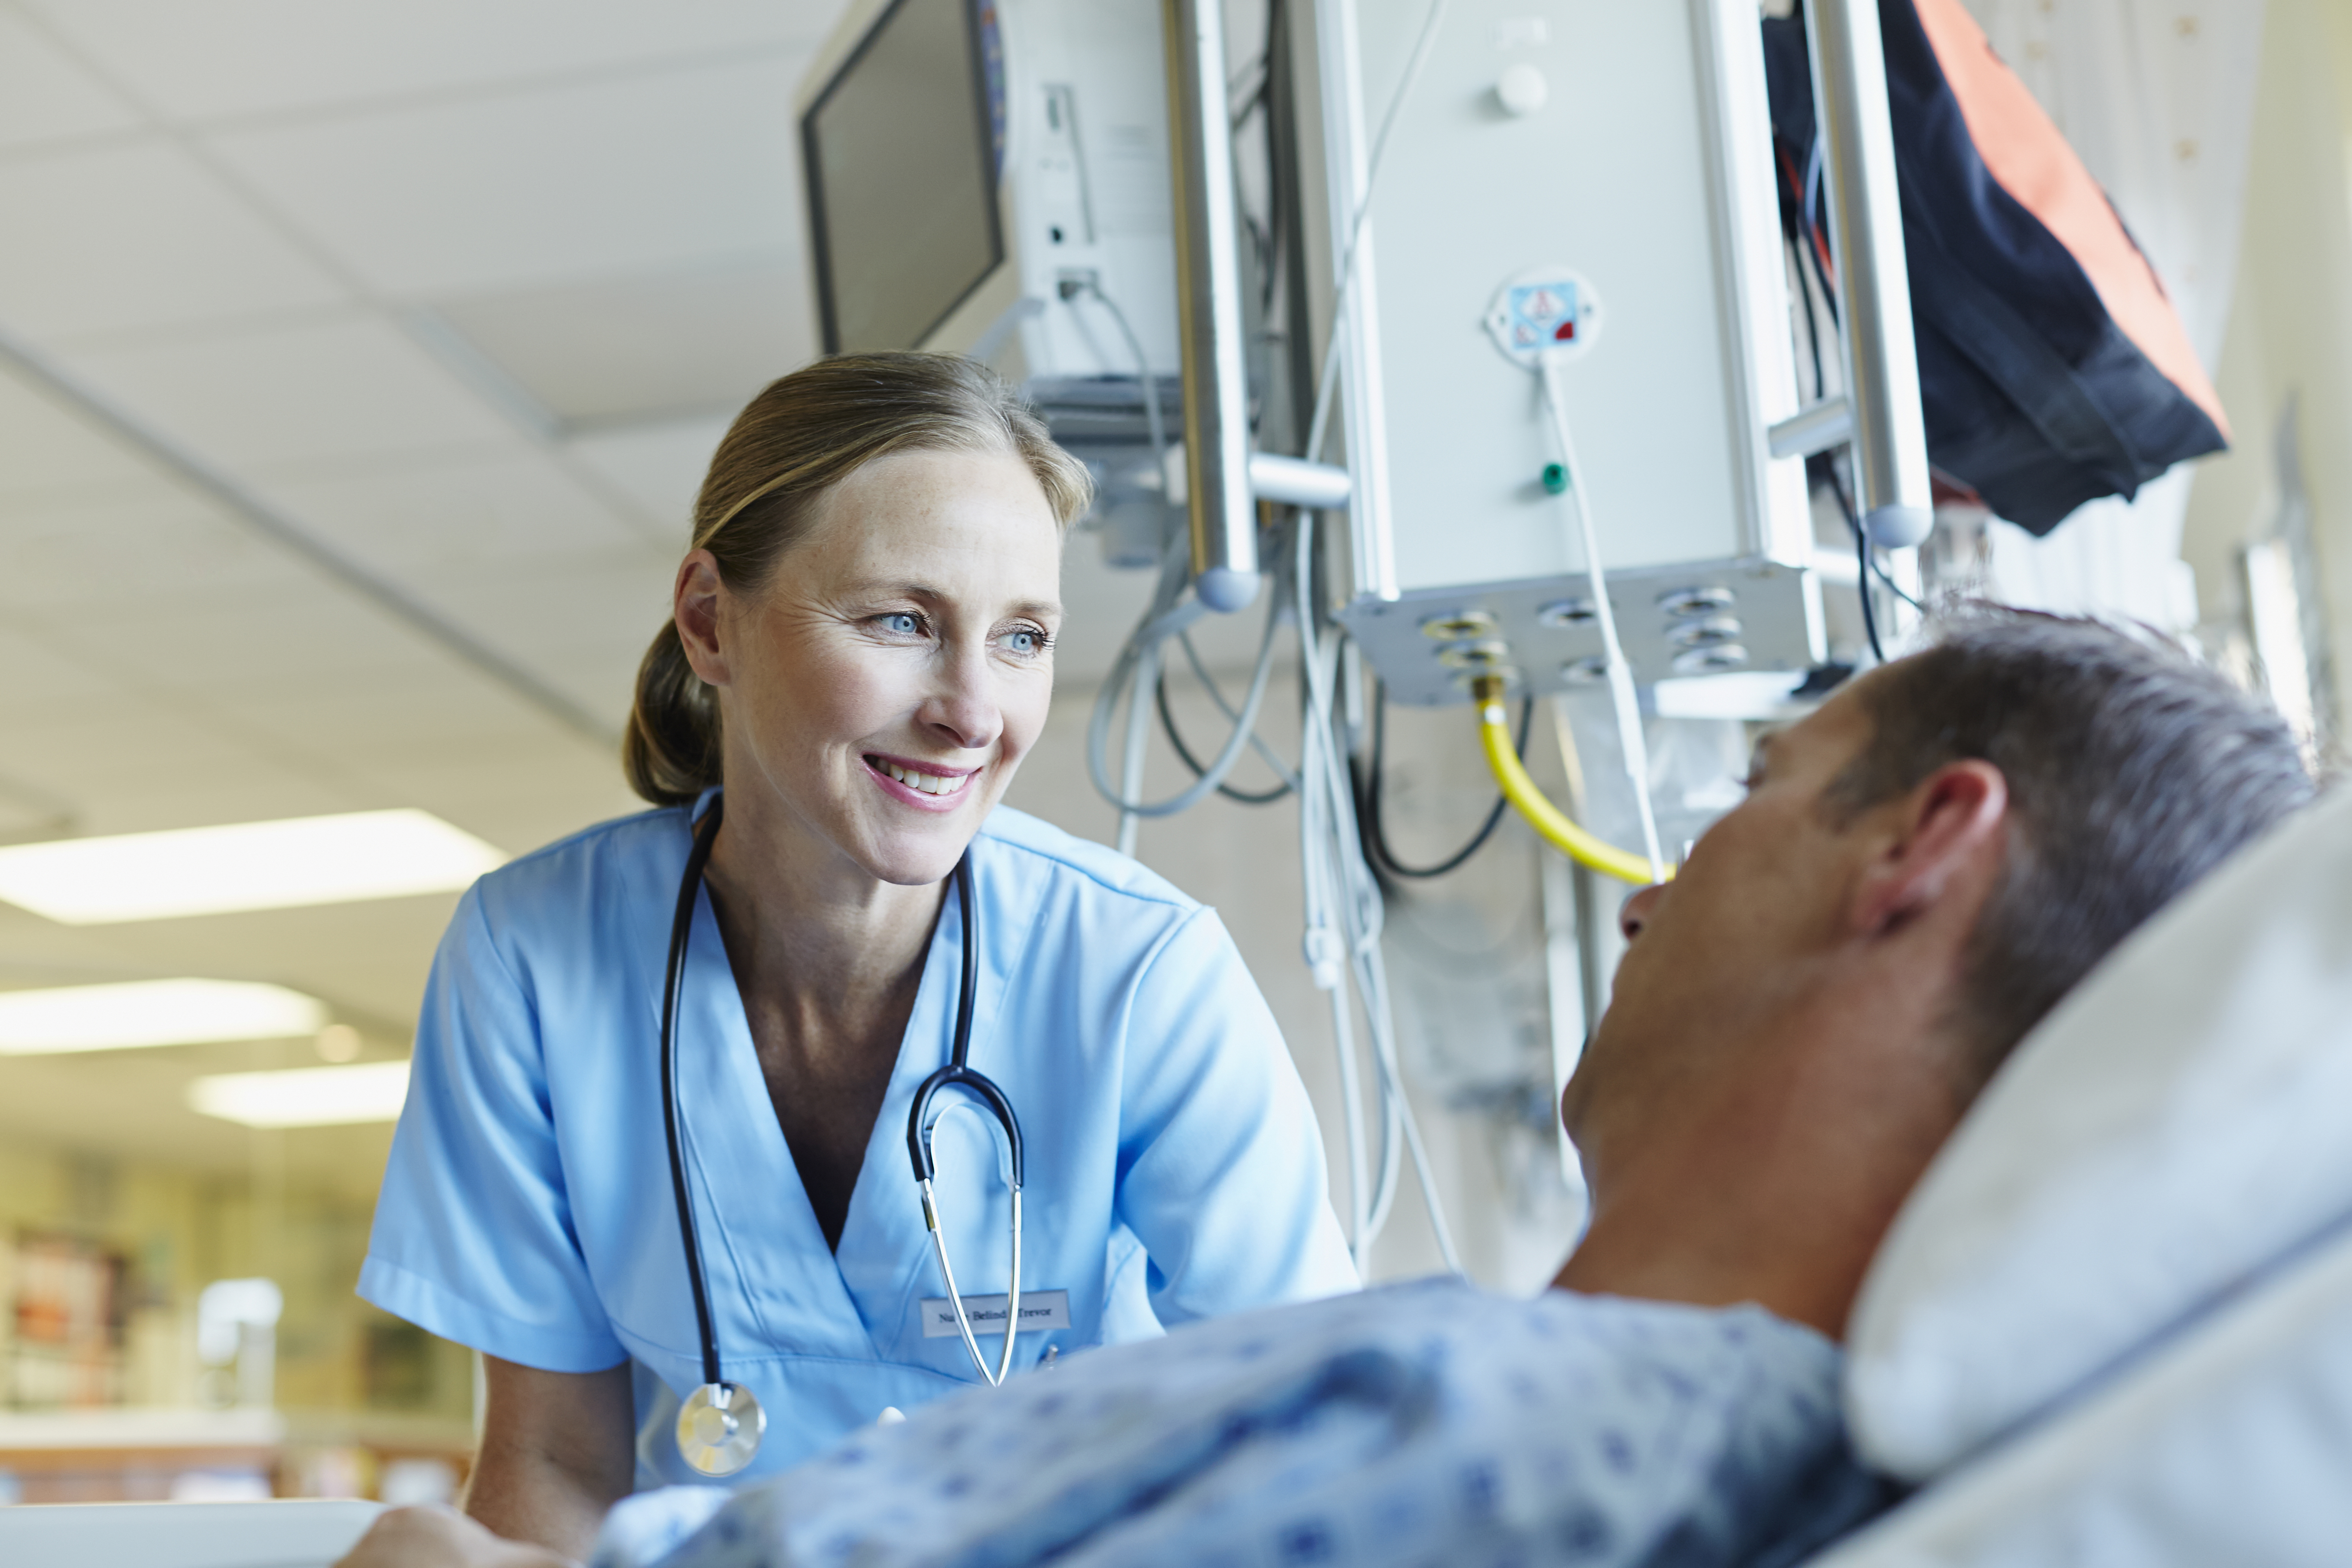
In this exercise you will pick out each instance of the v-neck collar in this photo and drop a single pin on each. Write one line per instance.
(758, 1231)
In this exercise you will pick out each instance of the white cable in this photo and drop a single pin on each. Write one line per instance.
(1137, 669)
(1127, 674)
(1350, 891)
(1150, 383)
(1621, 695)
(1340, 887)
(1324, 949)
(1266, 754)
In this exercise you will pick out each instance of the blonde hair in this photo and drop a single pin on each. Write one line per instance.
(792, 443)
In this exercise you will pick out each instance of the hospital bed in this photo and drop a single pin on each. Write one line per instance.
(297, 1532)
(2111, 1325)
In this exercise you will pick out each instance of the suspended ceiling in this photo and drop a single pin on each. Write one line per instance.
(459, 295)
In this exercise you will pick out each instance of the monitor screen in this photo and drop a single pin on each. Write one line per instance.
(902, 177)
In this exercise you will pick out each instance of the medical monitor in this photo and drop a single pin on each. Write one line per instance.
(901, 150)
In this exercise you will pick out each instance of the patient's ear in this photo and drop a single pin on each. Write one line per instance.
(1946, 835)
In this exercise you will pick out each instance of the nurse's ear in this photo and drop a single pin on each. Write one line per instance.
(694, 606)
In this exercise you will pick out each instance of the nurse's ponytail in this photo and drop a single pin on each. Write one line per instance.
(793, 442)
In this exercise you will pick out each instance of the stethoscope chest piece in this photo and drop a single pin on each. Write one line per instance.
(719, 1429)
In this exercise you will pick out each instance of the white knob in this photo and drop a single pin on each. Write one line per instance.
(1521, 89)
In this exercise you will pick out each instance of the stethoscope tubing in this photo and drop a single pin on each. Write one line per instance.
(958, 1073)
(689, 890)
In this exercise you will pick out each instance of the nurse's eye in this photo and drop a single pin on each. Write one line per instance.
(1025, 642)
(900, 623)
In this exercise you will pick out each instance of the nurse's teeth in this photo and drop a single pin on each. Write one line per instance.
(928, 783)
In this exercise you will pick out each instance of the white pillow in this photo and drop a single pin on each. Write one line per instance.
(2181, 1118)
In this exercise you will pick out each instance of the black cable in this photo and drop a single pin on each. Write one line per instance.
(1373, 831)
(1817, 245)
(1865, 562)
(1813, 323)
(1862, 571)
(1877, 567)
(1184, 753)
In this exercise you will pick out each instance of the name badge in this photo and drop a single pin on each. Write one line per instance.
(1040, 1310)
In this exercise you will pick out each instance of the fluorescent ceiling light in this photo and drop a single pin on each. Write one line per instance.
(151, 1013)
(242, 866)
(304, 1097)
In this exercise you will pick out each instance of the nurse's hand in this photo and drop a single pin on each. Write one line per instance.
(437, 1536)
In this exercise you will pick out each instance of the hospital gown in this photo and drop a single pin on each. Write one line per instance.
(1419, 1425)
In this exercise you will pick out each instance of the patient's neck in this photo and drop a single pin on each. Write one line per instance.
(1777, 1184)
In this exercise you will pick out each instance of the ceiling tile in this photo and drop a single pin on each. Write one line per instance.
(604, 674)
(352, 387)
(127, 746)
(496, 510)
(250, 56)
(521, 771)
(618, 601)
(47, 449)
(245, 639)
(46, 96)
(639, 348)
(38, 677)
(418, 715)
(157, 546)
(635, 175)
(106, 240)
(660, 466)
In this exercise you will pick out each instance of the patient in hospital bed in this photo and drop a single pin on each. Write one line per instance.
(1921, 871)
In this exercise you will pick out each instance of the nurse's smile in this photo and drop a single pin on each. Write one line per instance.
(925, 786)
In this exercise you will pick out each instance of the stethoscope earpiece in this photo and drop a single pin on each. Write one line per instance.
(720, 1424)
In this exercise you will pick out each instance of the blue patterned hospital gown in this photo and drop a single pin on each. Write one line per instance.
(1418, 1425)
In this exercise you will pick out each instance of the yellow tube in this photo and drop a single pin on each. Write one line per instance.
(1495, 731)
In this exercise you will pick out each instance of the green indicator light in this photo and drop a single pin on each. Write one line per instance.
(1555, 479)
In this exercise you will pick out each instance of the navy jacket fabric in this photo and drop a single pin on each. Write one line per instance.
(2034, 398)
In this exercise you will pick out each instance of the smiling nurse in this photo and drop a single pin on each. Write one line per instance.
(657, 1130)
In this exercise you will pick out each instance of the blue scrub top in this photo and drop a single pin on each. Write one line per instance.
(1174, 1170)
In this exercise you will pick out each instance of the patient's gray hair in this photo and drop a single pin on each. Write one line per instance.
(2132, 772)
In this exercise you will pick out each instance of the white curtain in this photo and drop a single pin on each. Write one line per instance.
(2158, 97)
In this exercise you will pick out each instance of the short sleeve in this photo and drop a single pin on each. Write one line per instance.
(473, 1238)
(1221, 1163)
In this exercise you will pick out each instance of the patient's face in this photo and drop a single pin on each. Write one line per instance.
(1737, 937)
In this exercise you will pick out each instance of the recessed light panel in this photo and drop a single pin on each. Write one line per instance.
(242, 866)
(151, 1013)
(305, 1096)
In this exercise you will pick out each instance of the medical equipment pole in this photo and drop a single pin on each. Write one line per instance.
(1890, 433)
(1209, 302)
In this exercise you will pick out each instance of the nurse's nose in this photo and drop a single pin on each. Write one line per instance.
(963, 710)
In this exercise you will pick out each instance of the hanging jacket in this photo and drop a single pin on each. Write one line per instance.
(2053, 368)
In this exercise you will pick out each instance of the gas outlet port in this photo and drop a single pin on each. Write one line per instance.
(1462, 625)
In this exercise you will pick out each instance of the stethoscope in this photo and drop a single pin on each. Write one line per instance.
(720, 1424)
